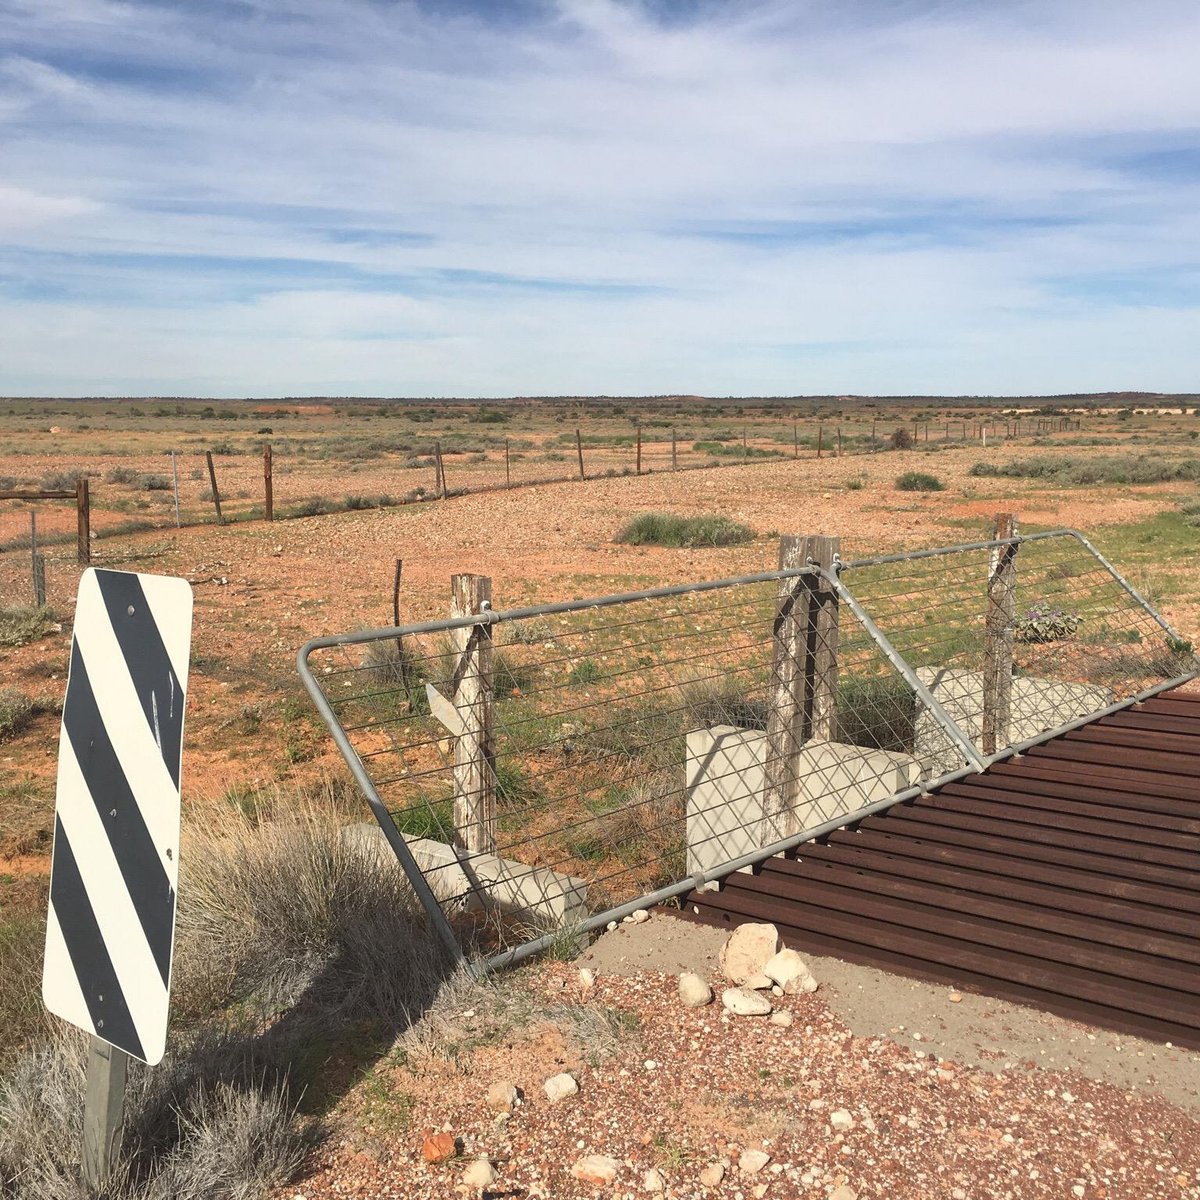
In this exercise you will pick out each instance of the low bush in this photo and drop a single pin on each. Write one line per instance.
(901, 439)
(668, 529)
(289, 938)
(723, 450)
(919, 481)
(1093, 469)
(1043, 623)
(20, 626)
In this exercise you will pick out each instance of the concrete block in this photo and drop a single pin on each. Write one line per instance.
(725, 784)
(1037, 706)
(472, 881)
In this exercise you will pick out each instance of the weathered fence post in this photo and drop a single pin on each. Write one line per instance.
(440, 469)
(268, 485)
(212, 479)
(795, 440)
(474, 755)
(804, 670)
(839, 453)
(638, 465)
(785, 718)
(175, 486)
(820, 698)
(674, 458)
(998, 636)
(820, 438)
(507, 466)
(579, 451)
(83, 519)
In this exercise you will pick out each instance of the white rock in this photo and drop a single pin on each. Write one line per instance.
(596, 1168)
(611, 926)
(712, 1175)
(480, 1174)
(587, 979)
(747, 950)
(559, 1087)
(759, 982)
(753, 1161)
(502, 1096)
(787, 969)
(694, 991)
(640, 916)
(653, 1181)
(841, 1120)
(759, 1190)
(742, 1002)
(845, 1192)
(782, 1017)
(808, 984)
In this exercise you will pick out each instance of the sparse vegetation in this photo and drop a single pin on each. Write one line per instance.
(919, 481)
(668, 529)
(1094, 469)
(20, 626)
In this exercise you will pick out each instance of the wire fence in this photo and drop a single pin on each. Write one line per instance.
(542, 771)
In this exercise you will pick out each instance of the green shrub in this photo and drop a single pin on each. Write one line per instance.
(587, 671)
(1041, 623)
(919, 481)
(19, 626)
(668, 529)
(721, 450)
(1111, 468)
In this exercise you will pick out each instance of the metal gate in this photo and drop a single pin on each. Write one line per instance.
(541, 772)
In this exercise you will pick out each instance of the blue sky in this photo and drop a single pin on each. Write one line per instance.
(380, 197)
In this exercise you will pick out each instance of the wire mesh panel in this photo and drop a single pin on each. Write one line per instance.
(541, 771)
(1018, 637)
(546, 768)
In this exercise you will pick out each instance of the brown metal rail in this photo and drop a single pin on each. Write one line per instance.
(1068, 879)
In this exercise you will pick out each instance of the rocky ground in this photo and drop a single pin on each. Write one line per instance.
(619, 1080)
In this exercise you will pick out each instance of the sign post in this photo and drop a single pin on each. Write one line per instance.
(110, 929)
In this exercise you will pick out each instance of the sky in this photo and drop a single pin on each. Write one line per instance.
(544, 197)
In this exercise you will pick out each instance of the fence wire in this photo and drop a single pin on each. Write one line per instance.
(546, 769)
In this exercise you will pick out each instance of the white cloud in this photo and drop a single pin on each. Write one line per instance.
(939, 168)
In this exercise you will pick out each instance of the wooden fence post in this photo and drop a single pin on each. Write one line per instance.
(785, 718)
(268, 483)
(795, 440)
(820, 438)
(83, 518)
(839, 453)
(212, 479)
(474, 754)
(507, 466)
(638, 468)
(804, 673)
(997, 652)
(439, 468)
(674, 458)
(821, 674)
(579, 451)
(998, 636)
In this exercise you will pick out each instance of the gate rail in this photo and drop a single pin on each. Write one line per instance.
(540, 772)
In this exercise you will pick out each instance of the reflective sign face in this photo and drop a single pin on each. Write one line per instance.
(111, 925)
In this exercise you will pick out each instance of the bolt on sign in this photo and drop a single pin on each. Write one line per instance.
(111, 925)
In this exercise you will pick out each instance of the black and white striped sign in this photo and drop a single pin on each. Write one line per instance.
(111, 926)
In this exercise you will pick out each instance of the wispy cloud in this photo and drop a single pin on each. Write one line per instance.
(281, 196)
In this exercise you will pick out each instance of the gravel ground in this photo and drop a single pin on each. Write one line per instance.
(840, 1114)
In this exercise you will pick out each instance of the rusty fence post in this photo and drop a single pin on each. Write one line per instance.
(998, 636)
(439, 468)
(474, 752)
(268, 484)
(83, 520)
(579, 451)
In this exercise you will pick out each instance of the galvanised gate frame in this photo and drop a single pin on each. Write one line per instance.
(540, 772)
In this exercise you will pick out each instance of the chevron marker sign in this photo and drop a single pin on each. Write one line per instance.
(111, 925)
